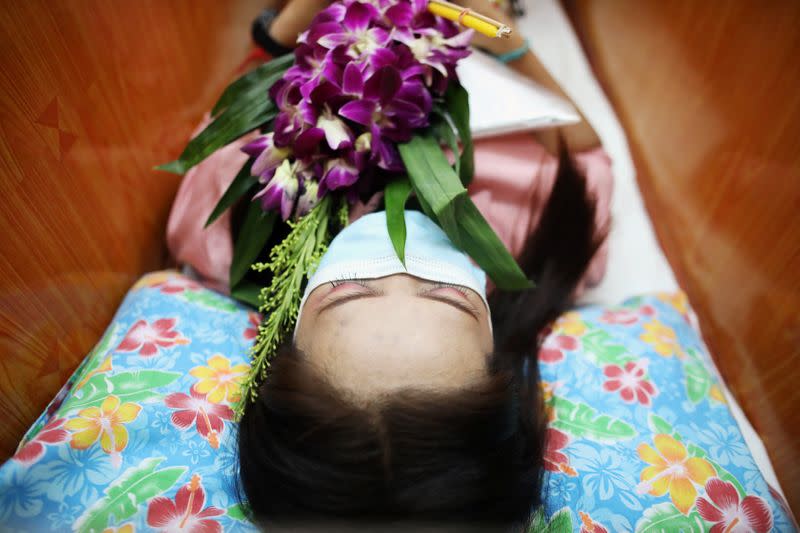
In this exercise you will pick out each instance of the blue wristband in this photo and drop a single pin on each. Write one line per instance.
(513, 55)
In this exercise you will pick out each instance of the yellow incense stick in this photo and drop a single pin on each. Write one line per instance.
(469, 19)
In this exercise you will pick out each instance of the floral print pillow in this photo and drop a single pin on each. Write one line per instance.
(141, 437)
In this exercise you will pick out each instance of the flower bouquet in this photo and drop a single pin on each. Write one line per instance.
(365, 104)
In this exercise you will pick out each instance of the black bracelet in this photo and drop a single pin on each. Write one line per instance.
(260, 33)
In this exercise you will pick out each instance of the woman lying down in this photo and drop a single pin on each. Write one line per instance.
(409, 396)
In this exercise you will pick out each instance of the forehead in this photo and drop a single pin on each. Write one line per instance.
(381, 344)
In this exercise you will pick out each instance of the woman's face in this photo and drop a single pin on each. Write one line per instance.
(379, 335)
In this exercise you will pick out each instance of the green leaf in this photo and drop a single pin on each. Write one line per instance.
(395, 197)
(601, 349)
(96, 356)
(666, 518)
(430, 173)
(253, 236)
(583, 421)
(210, 299)
(238, 188)
(483, 245)
(134, 386)
(237, 512)
(443, 129)
(126, 494)
(560, 522)
(659, 425)
(698, 381)
(247, 292)
(244, 106)
(439, 189)
(240, 118)
(457, 102)
(257, 80)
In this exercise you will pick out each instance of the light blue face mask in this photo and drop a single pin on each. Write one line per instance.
(363, 250)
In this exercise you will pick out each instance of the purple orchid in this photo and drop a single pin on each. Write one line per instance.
(268, 156)
(365, 75)
(389, 108)
(339, 173)
(280, 191)
(357, 31)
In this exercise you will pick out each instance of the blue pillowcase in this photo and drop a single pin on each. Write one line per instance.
(140, 438)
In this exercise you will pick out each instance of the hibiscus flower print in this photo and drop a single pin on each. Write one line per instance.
(33, 450)
(630, 381)
(554, 346)
(107, 423)
(663, 339)
(207, 417)
(671, 470)
(729, 514)
(219, 380)
(185, 512)
(148, 338)
(253, 320)
(626, 317)
(167, 282)
(554, 459)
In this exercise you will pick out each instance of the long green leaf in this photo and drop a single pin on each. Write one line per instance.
(125, 495)
(430, 173)
(437, 185)
(443, 129)
(247, 292)
(395, 197)
(457, 103)
(434, 181)
(583, 421)
(257, 80)
(238, 188)
(482, 244)
(253, 236)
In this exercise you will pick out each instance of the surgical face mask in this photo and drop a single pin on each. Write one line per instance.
(363, 250)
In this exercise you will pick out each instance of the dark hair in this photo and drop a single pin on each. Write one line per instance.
(470, 458)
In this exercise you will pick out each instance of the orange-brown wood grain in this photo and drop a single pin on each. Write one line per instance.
(709, 95)
(93, 94)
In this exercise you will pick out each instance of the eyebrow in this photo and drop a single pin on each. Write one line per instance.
(452, 303)
(435, 297)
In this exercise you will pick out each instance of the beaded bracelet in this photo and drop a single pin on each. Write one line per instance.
(515, 54)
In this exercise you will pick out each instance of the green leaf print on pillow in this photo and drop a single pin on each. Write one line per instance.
(134, 386)
(583, 421)
(560, 522)
(124, 496)
(666, 518)
(209, 298)
(600, 348)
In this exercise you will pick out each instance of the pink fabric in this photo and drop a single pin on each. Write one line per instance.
(514, 175)
(513, 178)
(209, 251)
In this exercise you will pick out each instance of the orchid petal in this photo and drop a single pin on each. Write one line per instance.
(358, 16)
(359, 111)
(337, 134)
(352, 80)
(383, 85)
